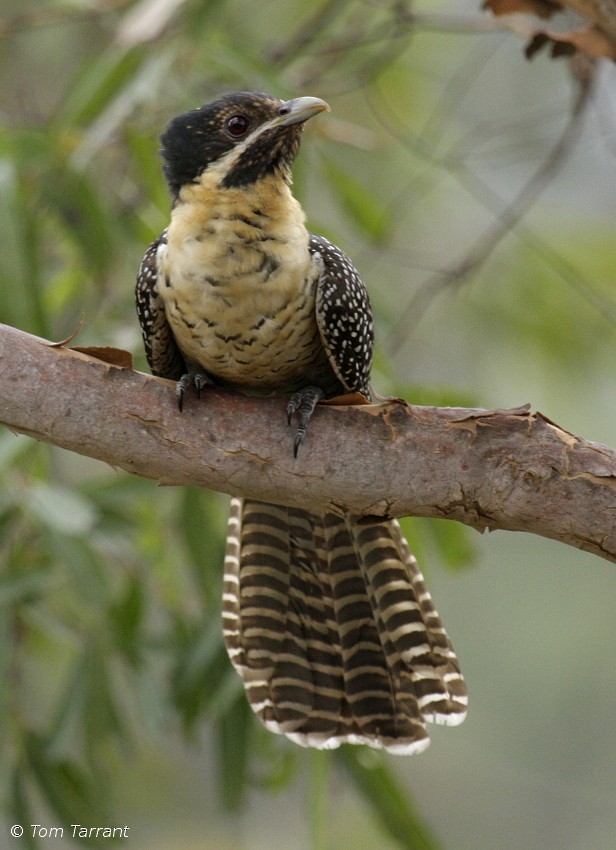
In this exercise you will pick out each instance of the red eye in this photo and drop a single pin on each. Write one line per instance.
(237, 125)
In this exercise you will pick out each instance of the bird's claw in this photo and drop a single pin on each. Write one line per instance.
(303, 404)
(195, 379)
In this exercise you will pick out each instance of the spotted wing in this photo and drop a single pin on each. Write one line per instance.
(163, 355)
(344, 317)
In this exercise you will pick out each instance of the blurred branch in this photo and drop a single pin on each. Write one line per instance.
(488, 469)
(146, 21)
(54, 15)
(388, 37)
(508, 215)
(307, 33)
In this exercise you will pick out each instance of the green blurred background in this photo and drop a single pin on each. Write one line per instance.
(117, 704)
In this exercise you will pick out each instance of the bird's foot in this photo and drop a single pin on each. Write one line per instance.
(198, 380)
(303, 404)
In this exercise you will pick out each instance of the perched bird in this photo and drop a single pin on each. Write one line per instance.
(326, 617)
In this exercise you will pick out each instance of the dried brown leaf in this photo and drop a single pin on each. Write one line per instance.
(590, 40)
(108, 354)
(540, 8)
(61, 343)
(347, 399)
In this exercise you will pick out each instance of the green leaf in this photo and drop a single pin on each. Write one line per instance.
(12, 449)
(318, 796)
(84, 570)
(20, 238)
(362, 207)
(144, 149)
(66, 728)
(200, 674)
(103, 719)
(87, 716)
(26, 587)
(60, 509)
(19, 810)
(65, 787)
(278, 759)
(78, 203)
(387, 798)
(452, 540)
(126, 618)
(435, 395)
(96, 82)
(449, 540)
(203, 523)
(233, 747)
(151, 699)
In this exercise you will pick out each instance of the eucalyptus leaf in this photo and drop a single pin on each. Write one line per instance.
(65, 787)
(363, 208)
(388, 799)
(61, 509)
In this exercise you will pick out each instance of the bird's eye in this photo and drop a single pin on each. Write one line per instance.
(237, 125)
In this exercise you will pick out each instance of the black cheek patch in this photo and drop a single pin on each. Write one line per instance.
(264, 156)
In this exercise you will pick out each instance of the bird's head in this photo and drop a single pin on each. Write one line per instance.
(243, 136)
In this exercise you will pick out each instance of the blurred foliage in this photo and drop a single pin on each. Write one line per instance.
(109, 587)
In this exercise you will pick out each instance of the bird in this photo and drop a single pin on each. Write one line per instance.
(326, 616)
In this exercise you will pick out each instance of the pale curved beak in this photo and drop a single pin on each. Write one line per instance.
(299, 109)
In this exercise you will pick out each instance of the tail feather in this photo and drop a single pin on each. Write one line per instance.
(377, 708)
(331, 628)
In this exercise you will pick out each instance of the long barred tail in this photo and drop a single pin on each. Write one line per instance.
(329, 624)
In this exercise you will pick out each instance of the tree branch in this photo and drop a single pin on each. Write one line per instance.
(488, 469)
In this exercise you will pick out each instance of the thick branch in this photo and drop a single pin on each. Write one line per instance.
(489, 469)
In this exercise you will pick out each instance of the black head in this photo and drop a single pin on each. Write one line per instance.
(249, 135)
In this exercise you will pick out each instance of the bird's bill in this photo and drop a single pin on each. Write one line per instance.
(299, 109)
